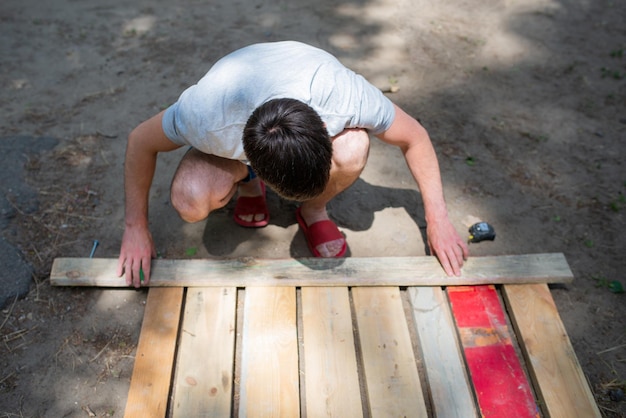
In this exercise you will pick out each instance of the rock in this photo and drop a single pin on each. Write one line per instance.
(617, 395)
(16, 273)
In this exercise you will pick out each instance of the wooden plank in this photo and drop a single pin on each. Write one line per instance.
(368, 271)
(204, 373)
(269, 369)
(559, 379)
(152, 372)
(498, 378)
(331, 377)
(450, 390)
(392, 381)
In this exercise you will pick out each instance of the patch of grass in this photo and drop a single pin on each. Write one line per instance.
(618, 203)
(614, 286)
(610, 73)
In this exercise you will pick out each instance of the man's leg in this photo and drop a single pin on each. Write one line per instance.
(350, 151)
(204, 183)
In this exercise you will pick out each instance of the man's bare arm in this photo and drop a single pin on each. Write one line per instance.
(144, 144)
(444, 241)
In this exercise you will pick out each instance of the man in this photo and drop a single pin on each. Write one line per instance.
(286, 115)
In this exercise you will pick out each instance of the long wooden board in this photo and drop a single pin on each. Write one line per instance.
(501, 387)
(450, 391)
(269, 371)
(553, 365)
(391, 376)
(150, 383)
(203, 386)
(331, 376)
(351, 271)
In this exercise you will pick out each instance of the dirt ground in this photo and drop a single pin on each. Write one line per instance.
(525, 102)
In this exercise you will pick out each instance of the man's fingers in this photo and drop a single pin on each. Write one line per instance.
(131, 270)
(464, 249)
(137, 274)
(445, 263)
(120, 266)
(451, 261)
(460, 253)
(457, 262)
(449, 248)
(460, 258)
(128, 274)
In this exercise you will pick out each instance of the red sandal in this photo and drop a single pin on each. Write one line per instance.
(319, 233)
(247, 205)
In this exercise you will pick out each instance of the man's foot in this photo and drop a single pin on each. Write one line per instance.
(251, 207)
(322, 235)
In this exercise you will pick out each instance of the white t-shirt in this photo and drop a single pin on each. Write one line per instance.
(210, 116)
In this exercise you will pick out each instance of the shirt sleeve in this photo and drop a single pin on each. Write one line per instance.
(170, 118)
(376, 112)
(345, 99)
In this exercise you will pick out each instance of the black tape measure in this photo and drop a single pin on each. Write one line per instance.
(481, 231)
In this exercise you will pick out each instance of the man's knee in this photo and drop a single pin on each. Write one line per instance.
(203, 183)
(194, 201)
(189, 208)
(350, 150)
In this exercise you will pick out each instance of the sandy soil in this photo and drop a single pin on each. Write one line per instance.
(525, 102)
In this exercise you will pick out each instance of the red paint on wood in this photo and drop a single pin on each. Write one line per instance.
(501, 386)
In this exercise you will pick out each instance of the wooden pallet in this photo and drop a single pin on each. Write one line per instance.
(321, 350)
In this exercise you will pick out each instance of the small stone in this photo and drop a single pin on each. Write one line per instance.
(616, 395)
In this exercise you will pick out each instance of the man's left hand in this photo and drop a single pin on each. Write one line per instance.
(445, 243)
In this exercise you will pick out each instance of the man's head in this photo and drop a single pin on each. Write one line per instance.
(289, 148)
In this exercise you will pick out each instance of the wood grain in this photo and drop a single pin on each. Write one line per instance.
(499, 381)
(393, 384)
(331, 377)
(204, 373)
(269, 369)
(152, 372)
(351, 271)
(561, 383)
(450, 390)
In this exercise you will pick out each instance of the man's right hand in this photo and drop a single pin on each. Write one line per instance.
(144, 143)
(135, 256)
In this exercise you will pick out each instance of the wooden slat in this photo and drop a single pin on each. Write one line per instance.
(152, 372)
(351, 271)
(561, 383)
(392, 381)
(450, 390)
(331, 377)
(269, 369)
(204, 373)
(499, 381)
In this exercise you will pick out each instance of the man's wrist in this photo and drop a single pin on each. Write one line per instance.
(436, 215)
(136, 223)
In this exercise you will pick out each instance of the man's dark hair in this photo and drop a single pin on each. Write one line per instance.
(289, 148)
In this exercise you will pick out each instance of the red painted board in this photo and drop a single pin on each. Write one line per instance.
(502, 389)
